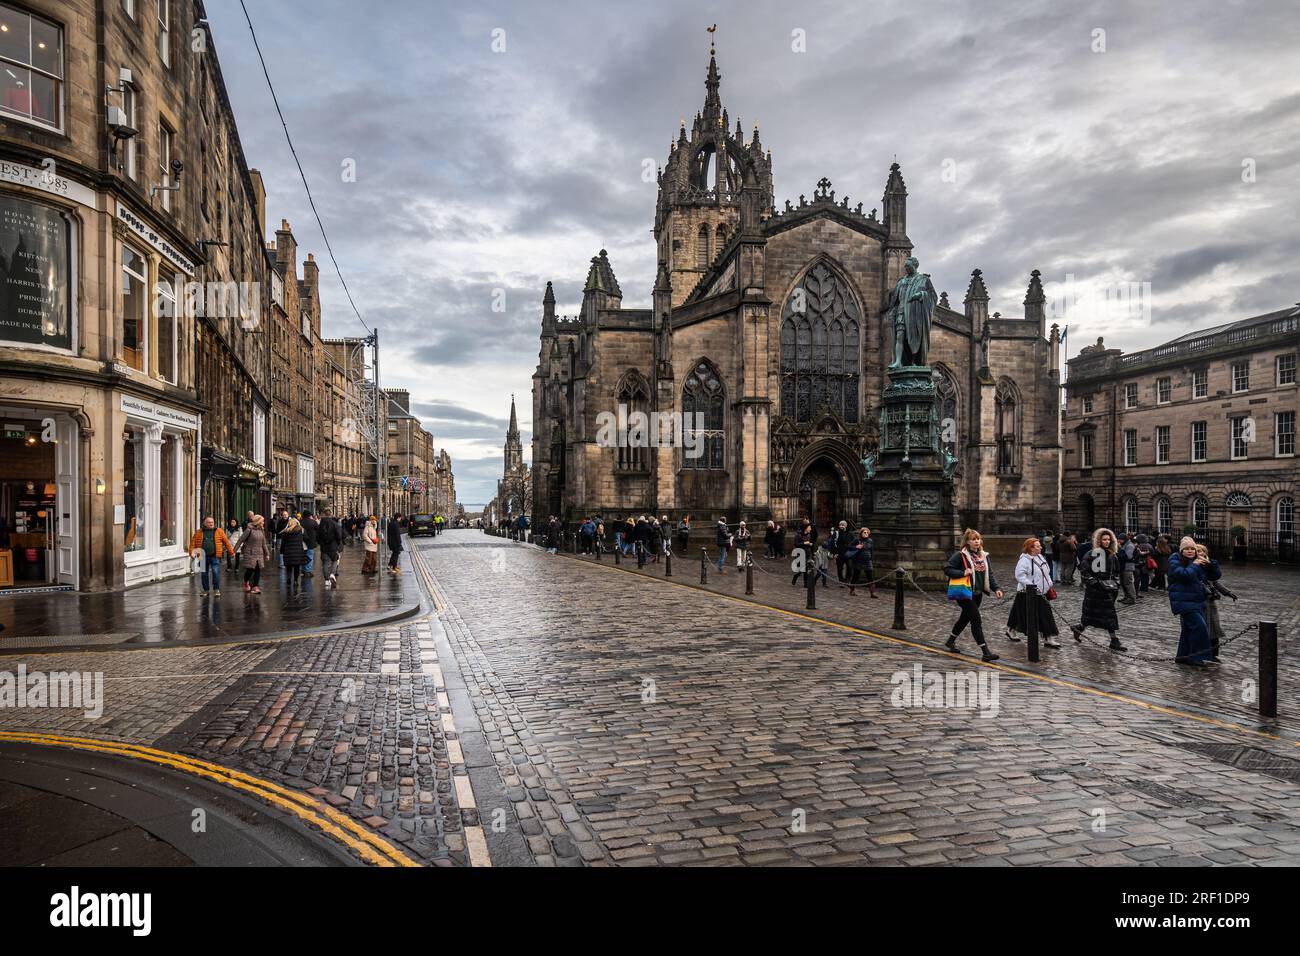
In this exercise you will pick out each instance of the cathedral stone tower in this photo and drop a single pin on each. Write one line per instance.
(698, 210)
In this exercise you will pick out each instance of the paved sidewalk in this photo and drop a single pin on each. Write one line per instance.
(1149, 631)
(176, 611)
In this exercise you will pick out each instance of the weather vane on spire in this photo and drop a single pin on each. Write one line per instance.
(712, 30)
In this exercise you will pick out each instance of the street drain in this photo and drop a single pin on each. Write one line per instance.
(1247, 758)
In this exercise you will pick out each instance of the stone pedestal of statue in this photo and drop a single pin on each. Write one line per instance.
(911, 509)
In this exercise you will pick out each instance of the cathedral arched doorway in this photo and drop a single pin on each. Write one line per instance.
(820, 495)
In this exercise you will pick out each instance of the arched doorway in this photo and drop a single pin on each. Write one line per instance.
(820, 495)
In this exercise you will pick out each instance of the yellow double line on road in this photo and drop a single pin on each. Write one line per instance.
(366, 844)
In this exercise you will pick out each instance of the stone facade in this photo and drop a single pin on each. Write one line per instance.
(141, 396)
(769, 323)
(1149, 436)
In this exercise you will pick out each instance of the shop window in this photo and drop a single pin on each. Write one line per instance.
(133, 479)
(168, 491)
(31, 68)
(135, 329)
(36, 272)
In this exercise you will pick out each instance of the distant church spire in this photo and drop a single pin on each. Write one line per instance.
(514, 449)
(712, 101)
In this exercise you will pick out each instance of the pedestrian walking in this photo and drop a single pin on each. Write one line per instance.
(395, 545)
(254, 553)
(1099, 568)
(1068, 552)
(1127, 556)
(1191, 571)
(293, 552)
(860, 555)
(1033, 569)
(309, 528)
(1050, 552)
(724, 541)
(1214, 592)
(233, 531)
(329, 536)
(740, 542)
(1144, 562)
(211, 545)
(778, 537)
(655, 539)
(805, 553)
(970, 578)
(1160, 576)
(587, 535)
(370, 541)
(840, 541)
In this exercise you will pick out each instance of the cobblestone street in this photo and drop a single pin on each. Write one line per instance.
(555, 712)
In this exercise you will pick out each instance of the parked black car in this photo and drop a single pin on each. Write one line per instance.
(421, 524)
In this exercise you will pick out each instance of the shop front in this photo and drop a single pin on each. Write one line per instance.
(38, 498)
(155, 512)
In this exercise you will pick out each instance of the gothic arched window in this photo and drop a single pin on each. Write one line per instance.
(946, 385)
(1164, 515)
(819, 347)
(1007, 423)
(722, 236)
(702, 247)
(702, 409)
(633, 396)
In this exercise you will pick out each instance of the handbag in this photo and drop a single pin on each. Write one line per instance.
(959, 589)
(1051, 594)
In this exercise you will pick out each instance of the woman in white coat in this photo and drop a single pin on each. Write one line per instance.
(1032, 568)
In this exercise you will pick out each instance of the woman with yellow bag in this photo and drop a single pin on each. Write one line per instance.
(970, 577)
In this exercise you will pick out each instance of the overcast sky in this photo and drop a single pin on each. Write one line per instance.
(1162, 151)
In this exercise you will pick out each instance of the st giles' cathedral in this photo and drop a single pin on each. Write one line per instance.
(771, 324)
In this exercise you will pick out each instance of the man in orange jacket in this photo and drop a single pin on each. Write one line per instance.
(210, 543)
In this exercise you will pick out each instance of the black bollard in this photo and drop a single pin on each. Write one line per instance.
(640, 555)
(810, 580)
(749, 573)
(900, 621)
(1268, 668)
(599, 548)
(704, 566)
(668, 563)
(575, 542)
(618, 553)
(1031, 621)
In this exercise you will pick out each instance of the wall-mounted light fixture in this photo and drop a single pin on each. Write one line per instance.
(99, 486)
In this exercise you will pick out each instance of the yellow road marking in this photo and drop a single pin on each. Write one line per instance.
(371, 848)
(1110, 695)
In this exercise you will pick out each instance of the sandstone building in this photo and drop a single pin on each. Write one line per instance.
(768, 323)
(1198, 433)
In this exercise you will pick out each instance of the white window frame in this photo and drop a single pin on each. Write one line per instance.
(1131, 505)
(60, 81)
(1201, 383)
(1277, 516)
(1164, 515)
(1277, 434)
(259, 434)
(1205, 441)
(1244, 368)
(130, 107)
(1162, 431)
(166, 143)
(143, 335)
(1130, 395)
(1164, 390)
(128, 7)
(1234, 438)
(1130, 449)
(1278, 369)
(1085, 450)
(1087, 404)
(164, 291)
(1204, 503)
(165, 32)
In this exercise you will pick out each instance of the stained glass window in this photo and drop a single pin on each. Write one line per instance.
(819, 348)
(702, 403)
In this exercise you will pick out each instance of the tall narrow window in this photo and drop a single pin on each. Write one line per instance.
(1131, 395)
(31, 68)
(1130, 514)
(1200, 513)
(169, 505)
(702, 410)
(1284, 433)
(1087, 404)
(702, 247)
(949, 434)
(1200, 383)
(165, 164)
(1198, 441)
(1285, 518)
(1164, 391)
(1130, 446)
(1162, 444)
(1286, 369)
(165, 32)
(820, 348)
(135, 324)
(1164, 516)
(1240, 433)
(133, 483)
(129, 100)
(1085, 450)
(633, 399)
(1241, 376)
(168, 336)
(1007, 423)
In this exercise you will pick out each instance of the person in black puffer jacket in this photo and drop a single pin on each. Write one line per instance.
(395, 545)
(1099, 566)
(292, 550)
(329, 536)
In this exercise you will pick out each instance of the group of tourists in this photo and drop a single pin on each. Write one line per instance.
(293, 541)
(1108, 566)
